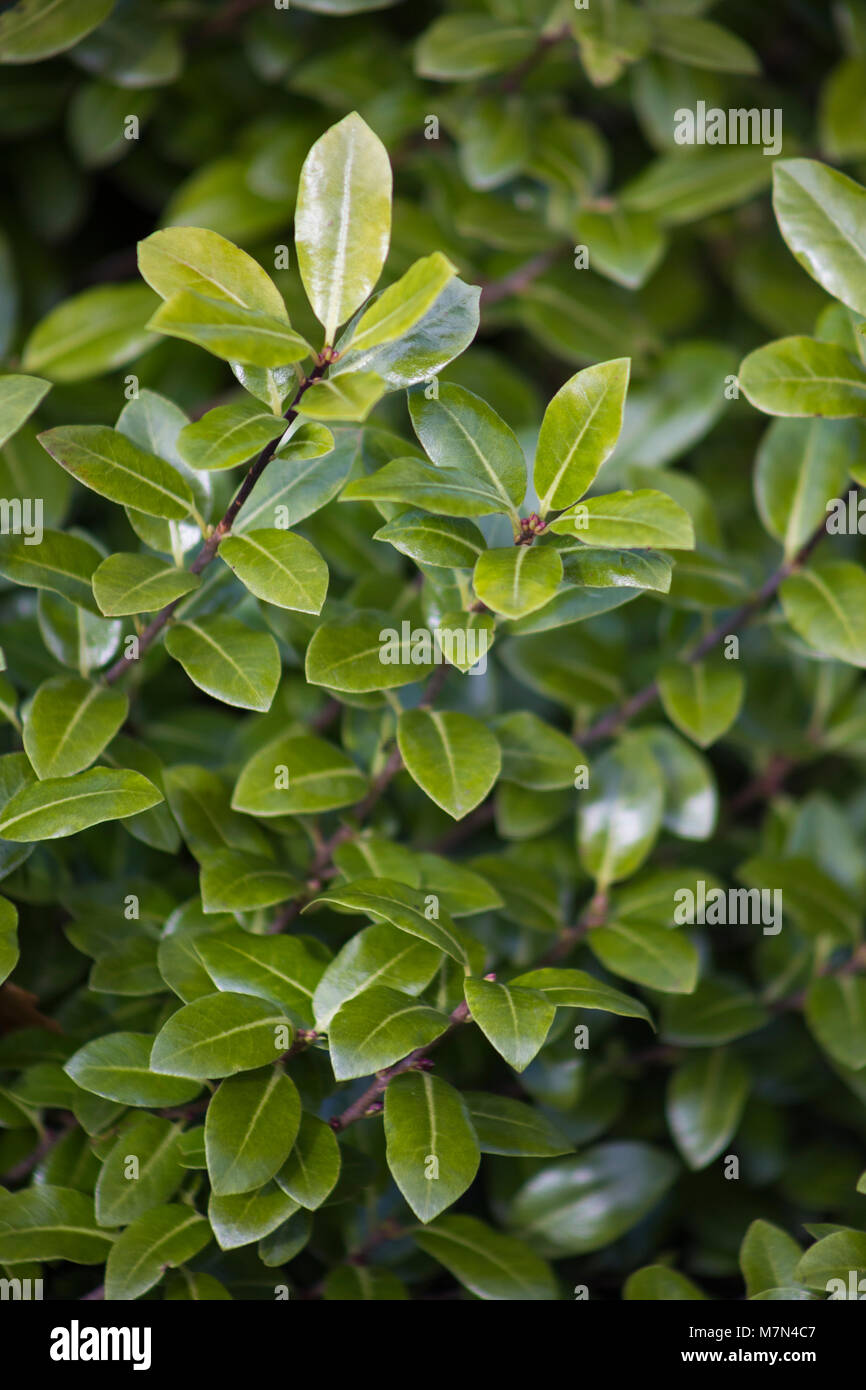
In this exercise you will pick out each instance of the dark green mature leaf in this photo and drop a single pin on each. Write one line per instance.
(220, 1034)
(505, 1126)
(228, 661)
(432, 1150)
(250, 1128)
(657, 1283)
(703, 699)
(516, 1020)
(768, 1258)
(297, 773)
(311, 1170)
(140, 1172)
(490, 1265)
(64, 564)
(380, 954)
(279, 968)
(159, 1240)
(377, 1028)
(62, 806)
(836, 1014)
(705, 1102)
(50, 1223)
(117, 1067)
(247, 1216)
(279, 567)
(69, 723)
(579, 990)
(648, 955)
(460, 431)
(408, 909)
(451, 756)
(30, 31)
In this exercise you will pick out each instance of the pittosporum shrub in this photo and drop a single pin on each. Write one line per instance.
(431, 835)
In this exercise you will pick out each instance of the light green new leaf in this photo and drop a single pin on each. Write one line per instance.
(297, 773)
(575, 989)
(36, 29)
(442, 334)
(64, 564)
(518, 579)
(343, 220)
(50, 1223)
(705, 1101)
(68, 723)
(220, 1034)
(620, 813)
(826, 606)
(492, 1266)
(62, 806)
(228, 435)
(460, 431)
(835, 1011)
(629, 519)
(155, 1144)
(159, 1240)
(648, 955)
(453, 757)
(273, 967)
(227, 660)
(349, 397)
(130, 583)
(92, 333)
(250, 1127)
(352, 654)
(399, 308)
(431, 1147)
(505, 1126)
(377, 1028)
(514, 1019)
(451, 543)
(110, 464)
(380, 954)
(194, 258)
(821, 215)
(768, 1258)
(408, 909)
(278, 567)
(117, 1067)
(800, 466)
(801, 376)
(312, 1168)
(579, 431)
(702, 698)
(229, 331)
(19, 397)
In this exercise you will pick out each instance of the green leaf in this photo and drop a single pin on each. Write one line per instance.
(460, 431)
(506, 1126)
(702, 44)
(434, 540)
(585, 1203)
(68, 724)
(228, 435)
(514, 1019)
(342, 397)
(19, 397)
(768, 1258)
(579, 431)
(159, 1240)
(716, 1012)
(110, 464)
(199, 802)
(220, 1034)
(228, 661)
(92, 333)
(250, 1128)
(50, 1223)
(470, 45)
(62, 806)
(453, 757)
(431, 1146)
(408, 909)
(448, 491)
(247, 1216)
(518, 579)
(403, 304)
(279, 968)
(629, 519)
(443, 333)
(297, 773)
(116, 1066)
(626, 246)
(193, 258)
(534, 754)
(124, 584)
(579, 990)
(647, 955)
(801, 376)
(837, 1256)
(312, 1168)
(835, 1011)
(691, 798)
(8, 938)
(124, 1193)
(347, 655)
(799, 467)
(278, 567)
(380, 954)
(825, 606)
(378, 1028)
(705, 1101)
(820, 213)
(343, 220)
(657, 1283)
(363, 1284)
(231, 881)
(61, 563)
(691, 184)
(702, 698)
(620, 569)
(620, 813)
(229, 331)
(36, 29)
(491, 1266)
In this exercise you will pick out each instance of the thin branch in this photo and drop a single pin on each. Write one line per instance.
(519, 279)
